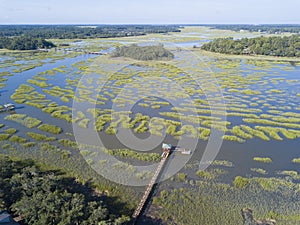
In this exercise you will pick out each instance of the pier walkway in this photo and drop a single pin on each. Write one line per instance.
(150, 186)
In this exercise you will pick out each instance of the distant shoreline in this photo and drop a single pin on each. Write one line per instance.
(258, 57)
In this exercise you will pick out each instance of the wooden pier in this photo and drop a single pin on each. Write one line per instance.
(150, 186)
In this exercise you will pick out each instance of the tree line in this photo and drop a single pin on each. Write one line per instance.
(267, 28)
(154, 52)
(50, 197)
(287, 46)
(24, 43)
(81, 32)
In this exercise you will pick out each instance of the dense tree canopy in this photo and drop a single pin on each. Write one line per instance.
(24, 43)
(48, 197)
(76, 31)
(268, 28)
(157, 52)
(275, 46)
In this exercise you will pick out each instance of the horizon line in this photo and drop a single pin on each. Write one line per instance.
(164, 24)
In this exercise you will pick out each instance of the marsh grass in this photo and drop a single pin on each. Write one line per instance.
(259, 170)
(41, 84)
(50, 128)
(40, 137)
(84, 123)
(233, 138)
(263, 159)
(68, 143)
(10, 131)
(210, 174)
(225, 163)
(17, 139)
(127, 153)
(236, 130)
(28, 144)
(296, 160)
(256, 133)
(4, 137)
(25, 120)
(290, 173)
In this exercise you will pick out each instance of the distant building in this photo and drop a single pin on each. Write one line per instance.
(6, 219)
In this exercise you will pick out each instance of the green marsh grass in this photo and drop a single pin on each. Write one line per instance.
(233, 138)
(241, 182)
(50, 128)
(290, 173)
(10, 131)
(41, 84)
(28, 144)
(256, 133)
(236, 130)
(68, 143)
(25, 120)
(225, 163)
(4, 137)
(259, 170)
(296, 160)
(17, 139)
(84, 123)
(40, 137)
(127, 153)
(263, 159)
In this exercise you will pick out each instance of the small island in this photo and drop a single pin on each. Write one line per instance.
(153, 52)
(287, 46)
(24, 43)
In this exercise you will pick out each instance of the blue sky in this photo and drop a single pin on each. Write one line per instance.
(149, 11)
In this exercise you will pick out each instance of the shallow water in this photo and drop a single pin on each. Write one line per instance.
(281, 152)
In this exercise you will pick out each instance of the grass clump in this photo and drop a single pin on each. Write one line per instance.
(28, 144)
(205, 174)
(241, 182)
(236, 130)
(204, 133)
(10, 131)
(50, 128)
(296, 160)
(4, 137)
(25, 120)
(210, 175)
(41, 84)
(84, 123)
(40, 137)
(233, 138)
(263, 159)
(259, 170)
(6, 146)
(127, 153)
(17, 139)
(181, 177)
(291, 173)
(254, 132)
(222, 163)
(111, 130)
(68, 143)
